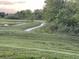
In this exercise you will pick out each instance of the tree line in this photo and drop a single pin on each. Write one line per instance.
(24, 14)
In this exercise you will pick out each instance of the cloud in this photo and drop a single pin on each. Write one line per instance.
(19, 5)
(21, 2)
(6, 3)
(10, 3)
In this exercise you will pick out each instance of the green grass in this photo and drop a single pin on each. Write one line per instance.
(21, 27)
(17, 44)
(59, 44)
(13, 25)
(15, 53)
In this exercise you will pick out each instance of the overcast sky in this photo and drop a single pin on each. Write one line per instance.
(21, 4)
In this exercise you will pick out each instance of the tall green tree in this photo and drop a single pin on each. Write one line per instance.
(24, 14)
(63, 13)
(38, 14)
(52, 8)
(28, 14)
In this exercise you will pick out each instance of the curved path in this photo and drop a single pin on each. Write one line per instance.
(30, 29)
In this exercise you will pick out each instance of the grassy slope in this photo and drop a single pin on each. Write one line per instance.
(17, 25)
(61, 46)
(17, 44)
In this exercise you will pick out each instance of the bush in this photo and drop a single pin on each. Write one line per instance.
(11, 17)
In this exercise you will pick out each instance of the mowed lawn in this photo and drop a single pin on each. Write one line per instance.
(21, 45)
(17, 25)
(15, 43)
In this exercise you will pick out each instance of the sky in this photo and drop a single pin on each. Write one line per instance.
(17, 5)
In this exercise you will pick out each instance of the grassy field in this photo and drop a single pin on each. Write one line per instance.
(17, 25)
(17, 44)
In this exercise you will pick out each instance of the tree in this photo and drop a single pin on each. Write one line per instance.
(52, 8)
(28, 14)
(2, 14)
(24, 14)
(38, 14)
(63, 13)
